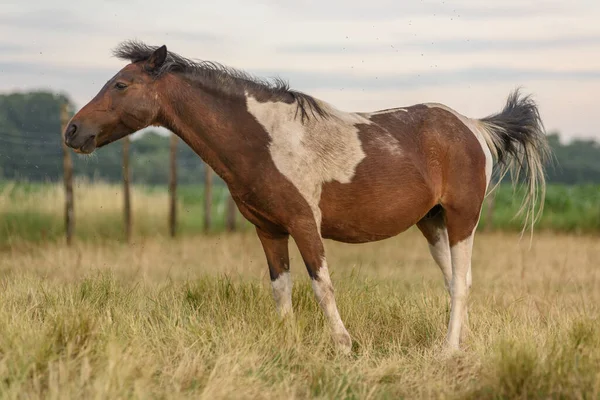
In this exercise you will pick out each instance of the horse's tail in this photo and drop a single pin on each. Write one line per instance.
(518, 142)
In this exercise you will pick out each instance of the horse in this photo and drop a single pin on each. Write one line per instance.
(298, 166)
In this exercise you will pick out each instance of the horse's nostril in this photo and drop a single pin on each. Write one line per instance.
(70, 131)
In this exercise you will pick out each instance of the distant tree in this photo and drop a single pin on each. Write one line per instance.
(576, 162)
(29, 135)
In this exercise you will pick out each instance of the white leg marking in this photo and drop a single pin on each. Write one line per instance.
(440, 252)
(282, 293)
(461, 263)
(324, 293)
(469, 278)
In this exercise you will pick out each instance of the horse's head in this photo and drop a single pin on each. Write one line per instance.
(127, 103)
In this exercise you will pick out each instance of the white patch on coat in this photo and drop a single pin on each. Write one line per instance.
(385, 141)
(388, 111)
(480, 133)
(323, 289)
(312, 152)
(282, 293)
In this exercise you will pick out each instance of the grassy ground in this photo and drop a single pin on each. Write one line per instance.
(194, 318)
(34, 212)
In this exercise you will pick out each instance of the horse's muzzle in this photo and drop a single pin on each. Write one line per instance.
(78, 140)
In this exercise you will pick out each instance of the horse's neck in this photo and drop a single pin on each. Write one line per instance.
(233, 134)
(213, 127)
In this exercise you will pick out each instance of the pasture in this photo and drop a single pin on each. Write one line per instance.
(194, 317)
(33, 212)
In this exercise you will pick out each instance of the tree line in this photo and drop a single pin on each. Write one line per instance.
(30, 149)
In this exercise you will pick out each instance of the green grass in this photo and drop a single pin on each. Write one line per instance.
(34, 211)
(573, 209)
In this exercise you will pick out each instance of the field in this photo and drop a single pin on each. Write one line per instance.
(194, 317)
(34, 212)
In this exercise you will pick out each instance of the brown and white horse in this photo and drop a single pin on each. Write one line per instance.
(297, 166)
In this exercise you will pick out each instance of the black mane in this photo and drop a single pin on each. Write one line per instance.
(222, 77)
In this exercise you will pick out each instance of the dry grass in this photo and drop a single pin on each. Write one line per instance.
(194, 318)
(34, 212)
(90, 199)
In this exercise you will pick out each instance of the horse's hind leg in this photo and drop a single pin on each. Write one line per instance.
(433, 227)
(461, 224)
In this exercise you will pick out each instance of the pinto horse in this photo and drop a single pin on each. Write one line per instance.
(297, 166)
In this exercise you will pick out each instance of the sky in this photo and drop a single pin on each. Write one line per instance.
(356, 55)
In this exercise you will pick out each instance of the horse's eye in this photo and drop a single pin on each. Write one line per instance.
(120, 85)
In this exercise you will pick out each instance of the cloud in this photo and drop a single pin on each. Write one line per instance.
(382, 10)
(12, 48)
(323, 80)
(444, 46)
(67, 21)
(190, 36)
(8, 68)
(47, 20)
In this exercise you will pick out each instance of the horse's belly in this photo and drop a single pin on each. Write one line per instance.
(357, 215)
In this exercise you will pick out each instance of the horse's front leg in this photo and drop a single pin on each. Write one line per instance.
(311, 248)
(276, 250)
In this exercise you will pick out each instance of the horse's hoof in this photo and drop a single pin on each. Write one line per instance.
(343, 343)
(450, 351)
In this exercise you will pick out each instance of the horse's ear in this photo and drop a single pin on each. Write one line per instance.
(157, 59)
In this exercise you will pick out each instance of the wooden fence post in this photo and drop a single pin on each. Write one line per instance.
(68, 176)
(173, 187)
(126, 189)
(207, 197)
(231, 211)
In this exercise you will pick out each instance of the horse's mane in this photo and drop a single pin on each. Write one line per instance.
(219, 76)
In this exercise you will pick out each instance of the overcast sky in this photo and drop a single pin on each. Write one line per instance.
(357, 55)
